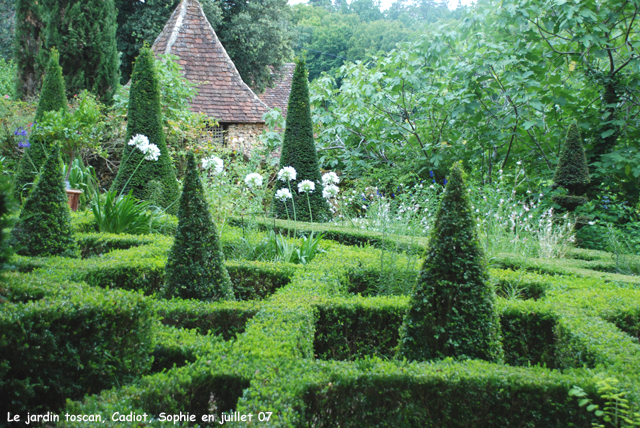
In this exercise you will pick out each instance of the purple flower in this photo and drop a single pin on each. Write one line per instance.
(20, 131)
(24, 143)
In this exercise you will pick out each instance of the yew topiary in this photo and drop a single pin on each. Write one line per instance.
(44, 225)
(299, 152)
(144, 117)
(452, 311)
(195, 269)
(572, 172)
(52, 98)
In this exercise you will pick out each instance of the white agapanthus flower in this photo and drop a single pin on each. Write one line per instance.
(330, 191)
(283, 194)
(253, 180)
(152, 152)
(330, 178)
(306, 186)
(287, 173)
(141, 142)
(215, 162)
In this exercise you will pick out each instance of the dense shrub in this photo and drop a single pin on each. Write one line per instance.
(452, 310)
(63, 347)
(44, 226)
(195, 269)
(52, 98)
(28, 42)
(94, 23)
(299, 151)
(572, 172)
(142, 176)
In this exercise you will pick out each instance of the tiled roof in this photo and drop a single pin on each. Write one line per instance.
(278, 96)
(221, 92)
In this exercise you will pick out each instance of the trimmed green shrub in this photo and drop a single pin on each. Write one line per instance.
(6, 209)
(142, 176)
(52, 98)
(572, 172)
(177, 347)
(195, 268)
(28, 42)
(64, 347)
(452, 311)
(299, 151)
(94, 23)
(44, 226)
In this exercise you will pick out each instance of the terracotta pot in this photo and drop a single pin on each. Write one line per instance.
(74, 196)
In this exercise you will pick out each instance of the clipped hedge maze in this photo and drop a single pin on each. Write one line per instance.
(305, 350)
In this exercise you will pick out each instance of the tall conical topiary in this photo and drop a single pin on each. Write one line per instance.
(195, 269)
(52, 98)
(144, 118)
(299, 152)
(86, 29)
(452, 311)
(572, 172)
(44, 225)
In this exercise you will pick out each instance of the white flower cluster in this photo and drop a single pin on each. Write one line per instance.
(330, 191)
(283, 194)
(330, 178)
(287, 173)
(306, 186)
(141, 142)
(215, 162)
(253, 180)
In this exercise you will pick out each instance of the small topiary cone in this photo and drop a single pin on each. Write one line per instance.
(44, 225)
(195, 269)
(452, 311)
(572, 172)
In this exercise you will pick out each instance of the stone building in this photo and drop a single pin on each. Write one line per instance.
(222, 95)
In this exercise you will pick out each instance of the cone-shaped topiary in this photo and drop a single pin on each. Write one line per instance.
(44, 225)
(144, 118)
(195, 269)
(572, 172)
(52, 98)
(452, 311)
(299, 152)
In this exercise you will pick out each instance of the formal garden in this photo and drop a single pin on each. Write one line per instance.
(408, 248)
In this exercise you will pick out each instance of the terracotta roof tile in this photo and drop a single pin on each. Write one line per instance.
(278, 96)
(221, 92)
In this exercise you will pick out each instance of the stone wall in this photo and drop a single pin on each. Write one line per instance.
(243, 137)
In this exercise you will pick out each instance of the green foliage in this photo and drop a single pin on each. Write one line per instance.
(7, 12)
(6, 210)
(52, 98)
(452, 310)
(617, 411)
(85, 29)
(145, 118)
(299, 152)
(44, 226)
(572, 172)
(195, 268)
(7, 78)
(61, 347)
(177, 347)
(124, 214)
(83, 178)
(276, 247)
(28, 46)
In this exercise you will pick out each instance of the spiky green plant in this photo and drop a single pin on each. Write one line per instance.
(195, 269)
(44, 225)
(299, 152)
(452, 311)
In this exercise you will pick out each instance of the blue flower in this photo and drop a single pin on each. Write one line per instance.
(445, 181)
(431, 173)
(24, 143)
(20, 132)
(433, 181)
